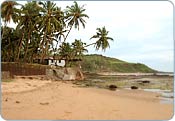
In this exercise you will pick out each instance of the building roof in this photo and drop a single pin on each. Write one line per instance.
(56, 58)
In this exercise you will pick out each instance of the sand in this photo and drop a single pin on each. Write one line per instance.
(36, 99)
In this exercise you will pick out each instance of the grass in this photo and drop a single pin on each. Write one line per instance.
(99, 63)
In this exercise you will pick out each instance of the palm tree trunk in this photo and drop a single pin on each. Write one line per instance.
(42, 53)
(43, 50)
(5, 25)
(19, 49)
(47, 47)
(26, 51)
(9, 52)
(68, 33)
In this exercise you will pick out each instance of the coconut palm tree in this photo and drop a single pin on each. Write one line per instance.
(27, 21)
(74, 16)
(8, 43)
(78, 48)
(102, 39)
(65, 51)
(8, 12)
(51, 22)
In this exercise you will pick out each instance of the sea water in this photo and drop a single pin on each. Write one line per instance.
(167, 96)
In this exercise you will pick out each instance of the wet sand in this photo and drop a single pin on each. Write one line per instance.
(64, 100)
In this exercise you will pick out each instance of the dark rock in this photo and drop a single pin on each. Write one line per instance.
(134, 87)
(112, 87)
(17, 102)
(31, 78)
(143, 81)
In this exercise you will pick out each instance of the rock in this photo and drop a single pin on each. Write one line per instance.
(134, 87)
(65, 74)
(30, 78)
(143, 81)
(112, 87)
(68, 77)
(17, 102)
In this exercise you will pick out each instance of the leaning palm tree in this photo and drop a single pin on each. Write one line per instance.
(74, 16)
(102, 36)
(8, 12)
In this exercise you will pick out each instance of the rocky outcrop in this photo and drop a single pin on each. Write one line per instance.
(65, 73)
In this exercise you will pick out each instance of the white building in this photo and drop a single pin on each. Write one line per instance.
(56, 62)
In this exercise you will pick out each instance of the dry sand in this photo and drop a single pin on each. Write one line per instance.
(35, 99)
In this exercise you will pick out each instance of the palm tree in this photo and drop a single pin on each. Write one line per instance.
(8, 43)
(27, 22)
(65, 52)
(51, 22)
(78, 48)
(74, 16)
(8, 12)
(102, 36)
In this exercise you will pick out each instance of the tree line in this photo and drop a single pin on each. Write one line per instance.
(42, 30)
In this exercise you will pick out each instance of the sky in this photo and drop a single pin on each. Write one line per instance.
(142, 30)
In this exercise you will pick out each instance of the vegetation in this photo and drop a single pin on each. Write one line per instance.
(99, 63)
(102, 37)
(42, 30)
(7, 80)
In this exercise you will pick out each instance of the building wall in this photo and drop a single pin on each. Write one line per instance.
(57, 62)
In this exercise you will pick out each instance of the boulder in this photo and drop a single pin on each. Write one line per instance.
(68, 77)
(143, 81)
(112, 87)
(134, 87)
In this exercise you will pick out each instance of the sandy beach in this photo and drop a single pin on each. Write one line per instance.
(36, 99)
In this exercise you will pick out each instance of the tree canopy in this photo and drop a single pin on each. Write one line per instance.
(42, 30)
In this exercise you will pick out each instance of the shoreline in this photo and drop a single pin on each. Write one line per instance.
(136, 74)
